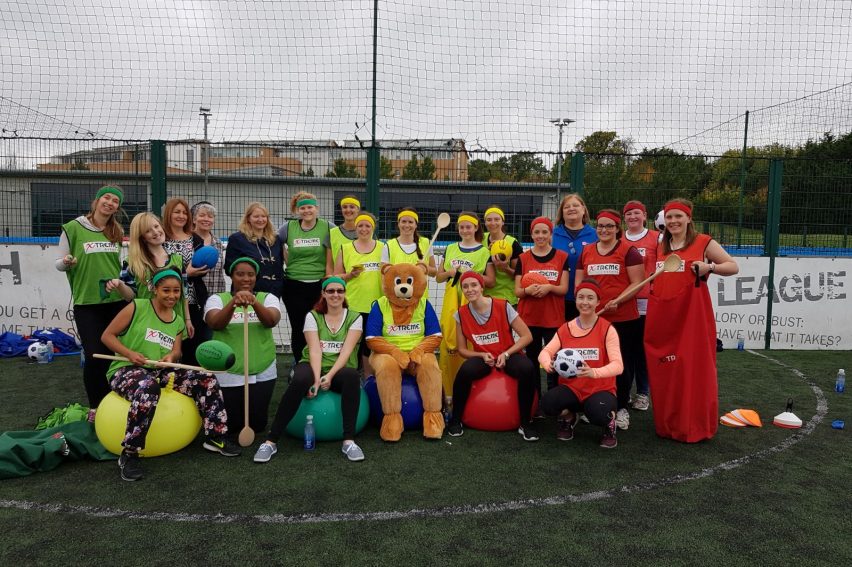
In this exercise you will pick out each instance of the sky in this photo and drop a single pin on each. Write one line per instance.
(674, 73)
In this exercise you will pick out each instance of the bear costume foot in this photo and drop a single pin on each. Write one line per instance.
(392, 427)
(433, 424)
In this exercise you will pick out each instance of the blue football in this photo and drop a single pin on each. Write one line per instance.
(205, 257)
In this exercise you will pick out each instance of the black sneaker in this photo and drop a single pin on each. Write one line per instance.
(528, 432)
(131, 467)
(455, 429)
(223, 446)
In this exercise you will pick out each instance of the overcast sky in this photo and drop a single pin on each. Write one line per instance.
(492, 73)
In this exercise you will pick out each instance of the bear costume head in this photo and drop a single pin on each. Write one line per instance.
(404, 285)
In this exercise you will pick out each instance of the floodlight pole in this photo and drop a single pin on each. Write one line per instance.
(560, 123)
(205, 156)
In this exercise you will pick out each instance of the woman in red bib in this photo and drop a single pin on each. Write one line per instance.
(680, 330)
(541, 305)
(616, 265)
(592, 391)
(487, 324)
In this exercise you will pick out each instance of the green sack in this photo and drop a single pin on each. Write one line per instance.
(61, 416)
(25, 452)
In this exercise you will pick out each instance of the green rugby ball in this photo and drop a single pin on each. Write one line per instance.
(215, 356)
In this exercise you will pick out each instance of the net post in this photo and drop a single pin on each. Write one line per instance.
(773, 221)
(158, 175)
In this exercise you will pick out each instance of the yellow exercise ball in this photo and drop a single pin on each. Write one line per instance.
(175, 425)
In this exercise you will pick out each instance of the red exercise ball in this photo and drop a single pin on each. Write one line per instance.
(493, 403)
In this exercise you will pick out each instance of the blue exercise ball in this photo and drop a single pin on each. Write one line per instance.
(328, 416)
(412, 403)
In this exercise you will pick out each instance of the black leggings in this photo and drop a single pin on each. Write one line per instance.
(260, 393)
(540, 337)
(299, 298)
(346, 382)
(92, 321)
(202, 334)
(518, 367)
(597, 407)
(630, 338)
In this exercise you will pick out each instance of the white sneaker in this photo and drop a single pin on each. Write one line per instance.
(641, 402)
(265, 452)
(622, 419)
(353, 452)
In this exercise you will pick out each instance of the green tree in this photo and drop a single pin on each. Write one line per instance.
(308, 173)
(417, 170)
(342, 169)
(79, 165)
(479, 170)
(385, 168)
(526, 166)
(427, 168)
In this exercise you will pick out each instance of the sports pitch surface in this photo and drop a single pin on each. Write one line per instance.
(763, 496)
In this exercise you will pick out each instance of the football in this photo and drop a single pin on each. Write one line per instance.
(660, 221)
(531, 278)
(567, 363)
(502, 249)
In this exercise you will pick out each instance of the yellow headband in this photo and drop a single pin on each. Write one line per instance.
(495, 210)
(411, 214)
(367, 218)
(350, 201)
(470, 219)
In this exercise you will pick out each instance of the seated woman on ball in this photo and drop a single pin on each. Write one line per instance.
(151, 329)
(329, 361)
(487, 324)
(592, 390)
(224, 314)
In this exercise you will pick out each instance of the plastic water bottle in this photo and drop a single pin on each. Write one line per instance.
(741, 344)
(840, 384)
(50, 351)
(310, 434)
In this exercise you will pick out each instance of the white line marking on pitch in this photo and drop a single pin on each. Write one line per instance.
(486, 508)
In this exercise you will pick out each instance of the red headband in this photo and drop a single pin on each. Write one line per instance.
(471, 274)
(608, 215)
(541, 220)
(679, 207)
(633, 205)
(590, 285)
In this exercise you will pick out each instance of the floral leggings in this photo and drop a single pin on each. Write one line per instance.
(141, 387)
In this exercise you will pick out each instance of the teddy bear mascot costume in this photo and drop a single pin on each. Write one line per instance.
(403, 332)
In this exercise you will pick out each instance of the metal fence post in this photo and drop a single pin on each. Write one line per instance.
(773, 221)
(578, 172)
(158, 175)
(373, 167)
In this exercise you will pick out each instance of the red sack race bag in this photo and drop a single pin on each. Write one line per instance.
(680, 347)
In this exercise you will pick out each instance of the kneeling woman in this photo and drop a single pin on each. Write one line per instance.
(487, 324)
(129, 335)
(224, 313)
(592, 391)
(329, 361)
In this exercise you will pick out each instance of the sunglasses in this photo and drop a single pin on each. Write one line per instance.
(337, 290)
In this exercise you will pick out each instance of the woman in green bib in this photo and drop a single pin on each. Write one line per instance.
(350, 208)
(329, 361)
(459, 257)
(359, 265)
(504, 267)
(224, 313)
(88, 253)
(409, 247)
(307, 251)
(151, 329)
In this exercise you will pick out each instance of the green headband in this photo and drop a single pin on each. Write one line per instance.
(240, 260)
(112, 190)
(333, 279)
(164, 274)
(303, 202)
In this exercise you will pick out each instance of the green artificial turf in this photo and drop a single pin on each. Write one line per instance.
(637, 504)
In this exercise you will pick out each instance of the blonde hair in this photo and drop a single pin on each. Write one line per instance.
(171, 205)
(298, 197)
(246, 228)
(113, 229)
(560, 218)
(691, 233)
(140, 261)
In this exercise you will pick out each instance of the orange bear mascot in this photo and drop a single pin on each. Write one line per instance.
(410, 333)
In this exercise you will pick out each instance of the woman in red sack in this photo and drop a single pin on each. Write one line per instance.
(680, 330)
